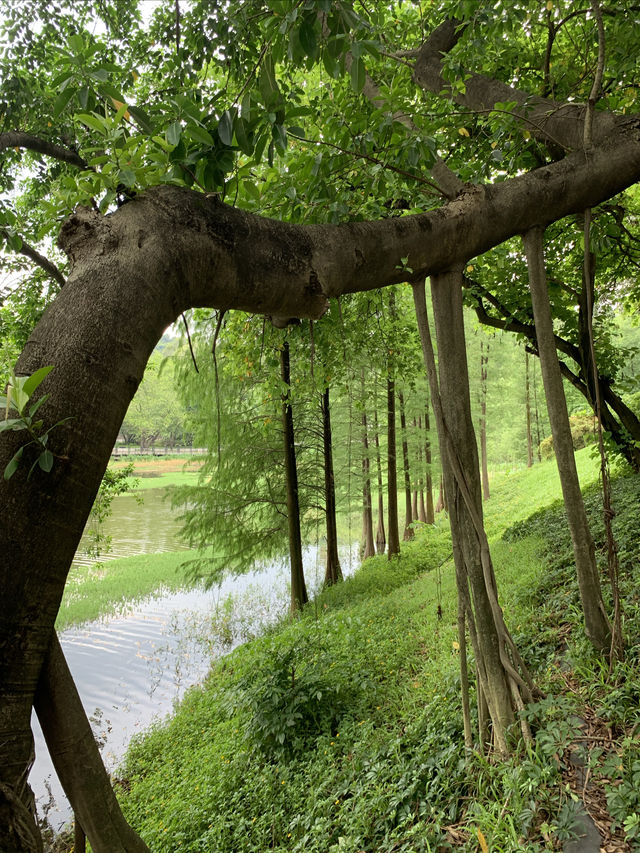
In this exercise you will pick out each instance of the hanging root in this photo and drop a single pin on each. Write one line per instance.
(518, 678)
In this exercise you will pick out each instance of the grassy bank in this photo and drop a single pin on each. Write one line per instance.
(112, 587)
(341, 731)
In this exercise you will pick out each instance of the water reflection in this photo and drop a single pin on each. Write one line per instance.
(138, 524)
(131, 669)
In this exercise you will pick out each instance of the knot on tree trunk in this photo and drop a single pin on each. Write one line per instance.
(86, 231)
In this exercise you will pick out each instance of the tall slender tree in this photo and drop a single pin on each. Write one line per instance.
(333, 572)
(299, 595)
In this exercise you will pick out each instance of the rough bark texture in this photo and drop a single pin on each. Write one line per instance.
(597, 625)
(298, 587)
(134, 272)
(333, 572)
(456, 412)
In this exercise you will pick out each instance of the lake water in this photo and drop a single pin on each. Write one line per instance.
(132, 669)
(143, 523)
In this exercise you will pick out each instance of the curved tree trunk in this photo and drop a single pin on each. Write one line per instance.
(298, 587)
(597, 626)
(333, 571)
(132, 274)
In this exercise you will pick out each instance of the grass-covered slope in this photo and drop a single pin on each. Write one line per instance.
(341, 731)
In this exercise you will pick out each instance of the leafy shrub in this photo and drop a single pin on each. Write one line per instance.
(582, 432)
(297, 694)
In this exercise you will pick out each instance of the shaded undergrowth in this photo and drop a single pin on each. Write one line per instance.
(341, 730)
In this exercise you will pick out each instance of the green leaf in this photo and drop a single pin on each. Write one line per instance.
(127, 177)
(110, 91)
(62, 100)
(100, 74)
(199, 134)
(267, 81)
(143, 121)
(12, 467)
(174, 132)
(251, 189)
(83, 97)
(45, 460)
(331, 64)
(358, 75)
(225, 128)
(76, 44)
(296, 131)
(242, 137)
(36, 378)
(308, 38)
(280, 137)
(94, 121)
(12, 424)
(122, 109)
(14, 241)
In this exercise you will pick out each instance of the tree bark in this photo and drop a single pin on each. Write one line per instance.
(484, 360)
(392, 476)
(597, 626)
(368, 548)
(77, 760)
(421, 512)
(298, 587)
(333, 571)
(527, 403)
(496, 656)
(430, 515)
(133, 272)
(381, 538)
(408, 514)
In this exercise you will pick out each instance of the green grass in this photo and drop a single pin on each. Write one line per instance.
(113, 586)
(341, 731)
(162, 480)
(516, 495)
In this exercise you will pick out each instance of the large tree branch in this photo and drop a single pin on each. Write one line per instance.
(18, 139)
(552, 121)
(134, 272)
(40, 260)
(233, 259)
